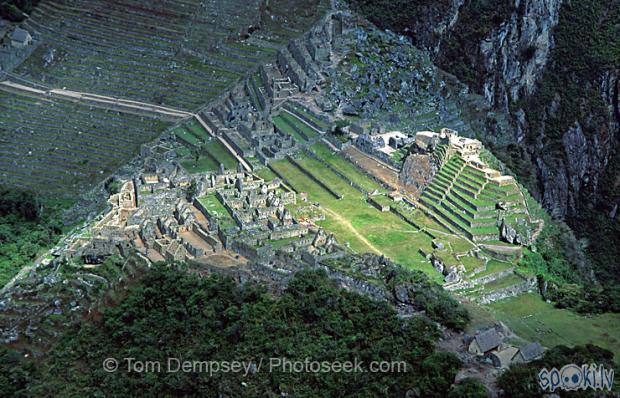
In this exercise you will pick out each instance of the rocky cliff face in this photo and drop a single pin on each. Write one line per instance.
(567, 182)
(506, 66)
(509, 59)
(434, 23)
(514, 55)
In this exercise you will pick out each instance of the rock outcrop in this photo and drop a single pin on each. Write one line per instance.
(567, 182)
(515, 55)
(416, 173)
(510, 63)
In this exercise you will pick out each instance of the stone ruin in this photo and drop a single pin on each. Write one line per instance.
(258, 209)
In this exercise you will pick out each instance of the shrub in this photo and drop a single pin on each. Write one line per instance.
(468, 388)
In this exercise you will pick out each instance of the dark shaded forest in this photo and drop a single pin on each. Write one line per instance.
(176, 314)
(27, 227)
(17, 10)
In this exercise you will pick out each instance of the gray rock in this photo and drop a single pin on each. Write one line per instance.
(453, 277)
(508, 233)
(438, 264)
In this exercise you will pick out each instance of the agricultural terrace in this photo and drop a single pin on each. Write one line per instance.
(350, 217)
(180, 53)
(210, 150)
(344, 167)
(302, 113)
(282, 125)
(461, 197)
(57, 147)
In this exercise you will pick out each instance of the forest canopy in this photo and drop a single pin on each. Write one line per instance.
(175, 314)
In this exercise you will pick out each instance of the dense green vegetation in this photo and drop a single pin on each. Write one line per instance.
(561, 264)
(431, 298)
(174, 314)
(588, 28)
(17, 10)
(27, 227)
(399, 16)
(586, 300)
(424, 294)
(459, 53)
(521, 380)
(602, 231)
(469, 388)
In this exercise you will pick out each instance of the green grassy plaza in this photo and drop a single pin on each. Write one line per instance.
(353, 220)
(533, 319)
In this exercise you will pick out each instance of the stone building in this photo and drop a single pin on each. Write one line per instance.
(485, 342)
(529, 353)
(20, 38)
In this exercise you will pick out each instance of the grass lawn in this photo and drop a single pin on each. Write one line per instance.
(501, 283)
(215, 207)
(266, 174)
(277, 244)
(536, 320)
(299, 124)
(198, 130)
(426, 222)
(458, 244)
(345, 167)
(221, 153)
(279, 122)
(183, 152)
(494, 266)
(186, 136)
(365, 228)
(471, 263)
(321, 123)
(203, 165)
(329, 178)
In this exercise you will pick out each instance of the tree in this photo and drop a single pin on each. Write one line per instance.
(191, 191)
(170, 313)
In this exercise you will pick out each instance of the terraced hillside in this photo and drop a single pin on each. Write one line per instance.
(180, 53)
(466, 199)
(201, 152)
(177, 53)
(58, 146)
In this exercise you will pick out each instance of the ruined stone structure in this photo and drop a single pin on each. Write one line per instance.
(262, 221)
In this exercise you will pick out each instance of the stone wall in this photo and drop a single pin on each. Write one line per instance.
(333, 170)
(510, 291)
(314, 178)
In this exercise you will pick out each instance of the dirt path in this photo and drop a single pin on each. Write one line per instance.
(343, 221)
(129, 106)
